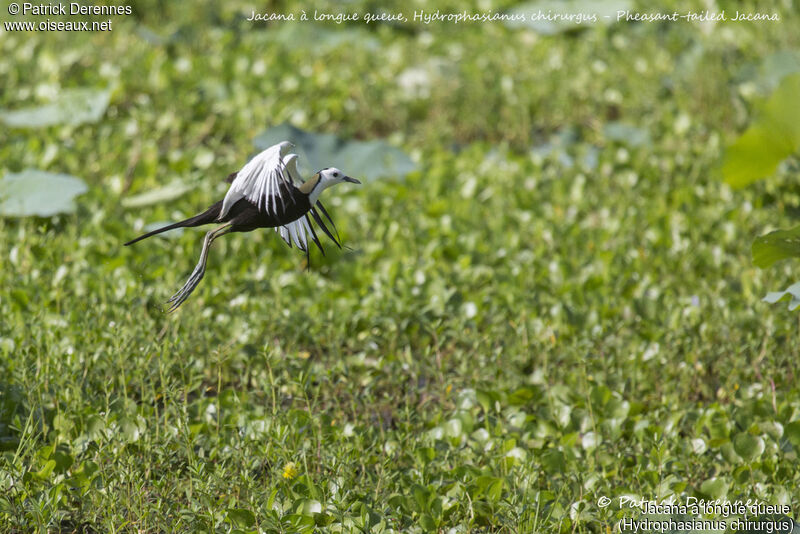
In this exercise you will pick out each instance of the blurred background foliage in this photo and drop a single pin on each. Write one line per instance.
(556, 303)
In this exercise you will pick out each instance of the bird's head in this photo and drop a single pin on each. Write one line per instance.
(323, 180)
(332, 176)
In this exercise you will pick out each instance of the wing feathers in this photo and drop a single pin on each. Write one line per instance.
(314, 236)
(324, 228)
(325, 212)
(296, 232)
(260, 180)
(264, 181)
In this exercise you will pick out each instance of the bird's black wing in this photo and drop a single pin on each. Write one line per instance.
(321, 223)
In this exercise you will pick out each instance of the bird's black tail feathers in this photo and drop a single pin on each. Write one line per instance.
(207, 217)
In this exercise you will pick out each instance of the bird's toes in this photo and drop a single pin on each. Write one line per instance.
(176, 296)
(177, 301)
(180, 297)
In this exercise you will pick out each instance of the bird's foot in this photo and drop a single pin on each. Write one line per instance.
(180, 297)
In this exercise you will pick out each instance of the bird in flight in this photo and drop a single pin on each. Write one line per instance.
(266, 193)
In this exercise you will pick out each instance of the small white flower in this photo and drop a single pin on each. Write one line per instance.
(470, 310)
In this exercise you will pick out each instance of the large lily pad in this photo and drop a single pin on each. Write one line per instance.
(34, 192)
(367, 160)
(792, 293)
(168, 192)
(562, 15)
(628, 134)
(775, 246)
(72, 106)
(773, 137)
(777, 66)
(765, 75)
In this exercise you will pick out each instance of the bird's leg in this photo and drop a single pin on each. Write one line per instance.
(199, 270)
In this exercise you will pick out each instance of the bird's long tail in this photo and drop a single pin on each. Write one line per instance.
(207, 217)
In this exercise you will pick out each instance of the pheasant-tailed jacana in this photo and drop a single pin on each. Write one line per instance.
(267, 193)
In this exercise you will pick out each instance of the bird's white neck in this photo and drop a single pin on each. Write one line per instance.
(313, 187)
(316, 191)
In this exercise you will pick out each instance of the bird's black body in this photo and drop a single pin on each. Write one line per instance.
(245, 216)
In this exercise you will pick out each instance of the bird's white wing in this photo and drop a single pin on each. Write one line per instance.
(296, 233)
(290, 162)
(260, 179)
(301, 232)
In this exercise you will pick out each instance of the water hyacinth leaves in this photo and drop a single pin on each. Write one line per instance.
(366, 160)
(71, 106)
(38, 193)
(748, 446)
(241, 517)
(757, 153)
(773, 137)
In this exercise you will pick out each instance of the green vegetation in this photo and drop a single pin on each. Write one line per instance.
(557, 304)
(757, 153)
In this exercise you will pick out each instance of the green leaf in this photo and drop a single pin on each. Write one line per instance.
(421, 496)
(309, 507)
(454, 428)
(71, 106)
(39, 193)
(604, 11)
(365, 160)
(792, 433)
(775, 246)
(323, 519)
(715, 488)
(554, 461)
(748, 446)
(241, 517)
(46, 470)
(729, 453)
(523, 396)
(399, 502)
(495, 490)
(129, 430)
(773, 137)
(162, 194)
(63, 461)
(62, 424)
(427, 523)
(793, 292)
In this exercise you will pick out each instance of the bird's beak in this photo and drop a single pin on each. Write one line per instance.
(351, 180)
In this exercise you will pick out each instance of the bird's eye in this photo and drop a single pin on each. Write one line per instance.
(336, 175)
